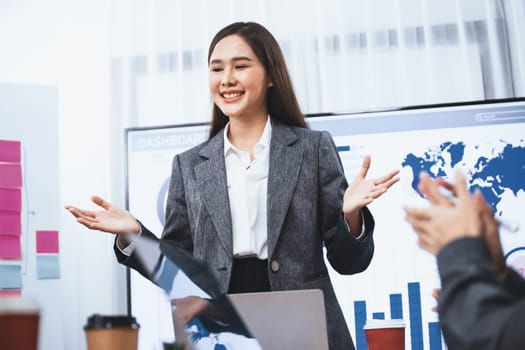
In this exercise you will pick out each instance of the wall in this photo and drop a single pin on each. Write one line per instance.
(24, 105)
(65, 44)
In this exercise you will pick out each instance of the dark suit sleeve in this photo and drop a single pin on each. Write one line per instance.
(476, 310)
(515, 283)
(346, 254)
(134, 261)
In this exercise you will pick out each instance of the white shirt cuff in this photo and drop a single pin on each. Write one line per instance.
(126, 247)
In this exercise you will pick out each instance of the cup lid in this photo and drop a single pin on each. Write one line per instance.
(377, 324)
(97, 321)
(26, 305)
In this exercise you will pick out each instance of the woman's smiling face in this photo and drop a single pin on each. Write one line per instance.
(237, 79)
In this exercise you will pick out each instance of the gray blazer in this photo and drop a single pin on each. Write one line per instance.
(304, 208)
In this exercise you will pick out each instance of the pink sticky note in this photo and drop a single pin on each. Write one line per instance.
(11, 199)
(10, 223)
(10, 247)
(9, 293)
(9, 151)
(10, 175)
(47, 241)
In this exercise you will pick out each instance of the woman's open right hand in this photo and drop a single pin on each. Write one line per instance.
(112, 219)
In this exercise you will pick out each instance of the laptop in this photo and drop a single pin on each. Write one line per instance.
(291, 320)
(250, 321)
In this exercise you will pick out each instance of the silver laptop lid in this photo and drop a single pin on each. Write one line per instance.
(291, 320)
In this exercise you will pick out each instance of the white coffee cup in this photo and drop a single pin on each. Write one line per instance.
(19, 323)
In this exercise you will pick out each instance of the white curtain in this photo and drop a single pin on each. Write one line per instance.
(343, 55)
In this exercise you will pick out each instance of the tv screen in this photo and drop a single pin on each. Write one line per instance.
(485, 140)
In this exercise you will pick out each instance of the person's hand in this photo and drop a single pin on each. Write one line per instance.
(490, 234)
(362, 191)
(430, 189)
(435, 294)
(112, 219)
(440, 224)
(188, 308)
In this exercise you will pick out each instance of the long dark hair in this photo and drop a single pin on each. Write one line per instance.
(281, 102)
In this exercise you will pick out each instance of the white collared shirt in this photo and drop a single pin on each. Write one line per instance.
(247, 190)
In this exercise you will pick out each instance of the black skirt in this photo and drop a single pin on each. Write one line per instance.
(249, 275)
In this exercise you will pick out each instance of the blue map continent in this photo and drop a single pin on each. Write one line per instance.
(503, 171)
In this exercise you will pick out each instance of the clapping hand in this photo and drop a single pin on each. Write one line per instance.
(445, 220)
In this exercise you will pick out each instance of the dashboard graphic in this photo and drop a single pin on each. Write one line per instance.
(485, 140)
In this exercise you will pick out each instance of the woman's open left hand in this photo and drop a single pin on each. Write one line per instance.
(363, 191)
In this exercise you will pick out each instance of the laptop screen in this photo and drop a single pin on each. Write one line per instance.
(203, 317)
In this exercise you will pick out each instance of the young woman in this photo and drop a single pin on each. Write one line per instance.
(258, 200)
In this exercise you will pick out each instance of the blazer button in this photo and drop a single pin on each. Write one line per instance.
(275, 266)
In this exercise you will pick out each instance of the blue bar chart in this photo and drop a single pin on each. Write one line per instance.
(414, 324)
(416, 319)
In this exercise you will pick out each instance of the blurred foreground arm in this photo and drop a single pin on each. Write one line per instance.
(476, 309)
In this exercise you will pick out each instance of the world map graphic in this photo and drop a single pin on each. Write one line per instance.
(493, 168)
